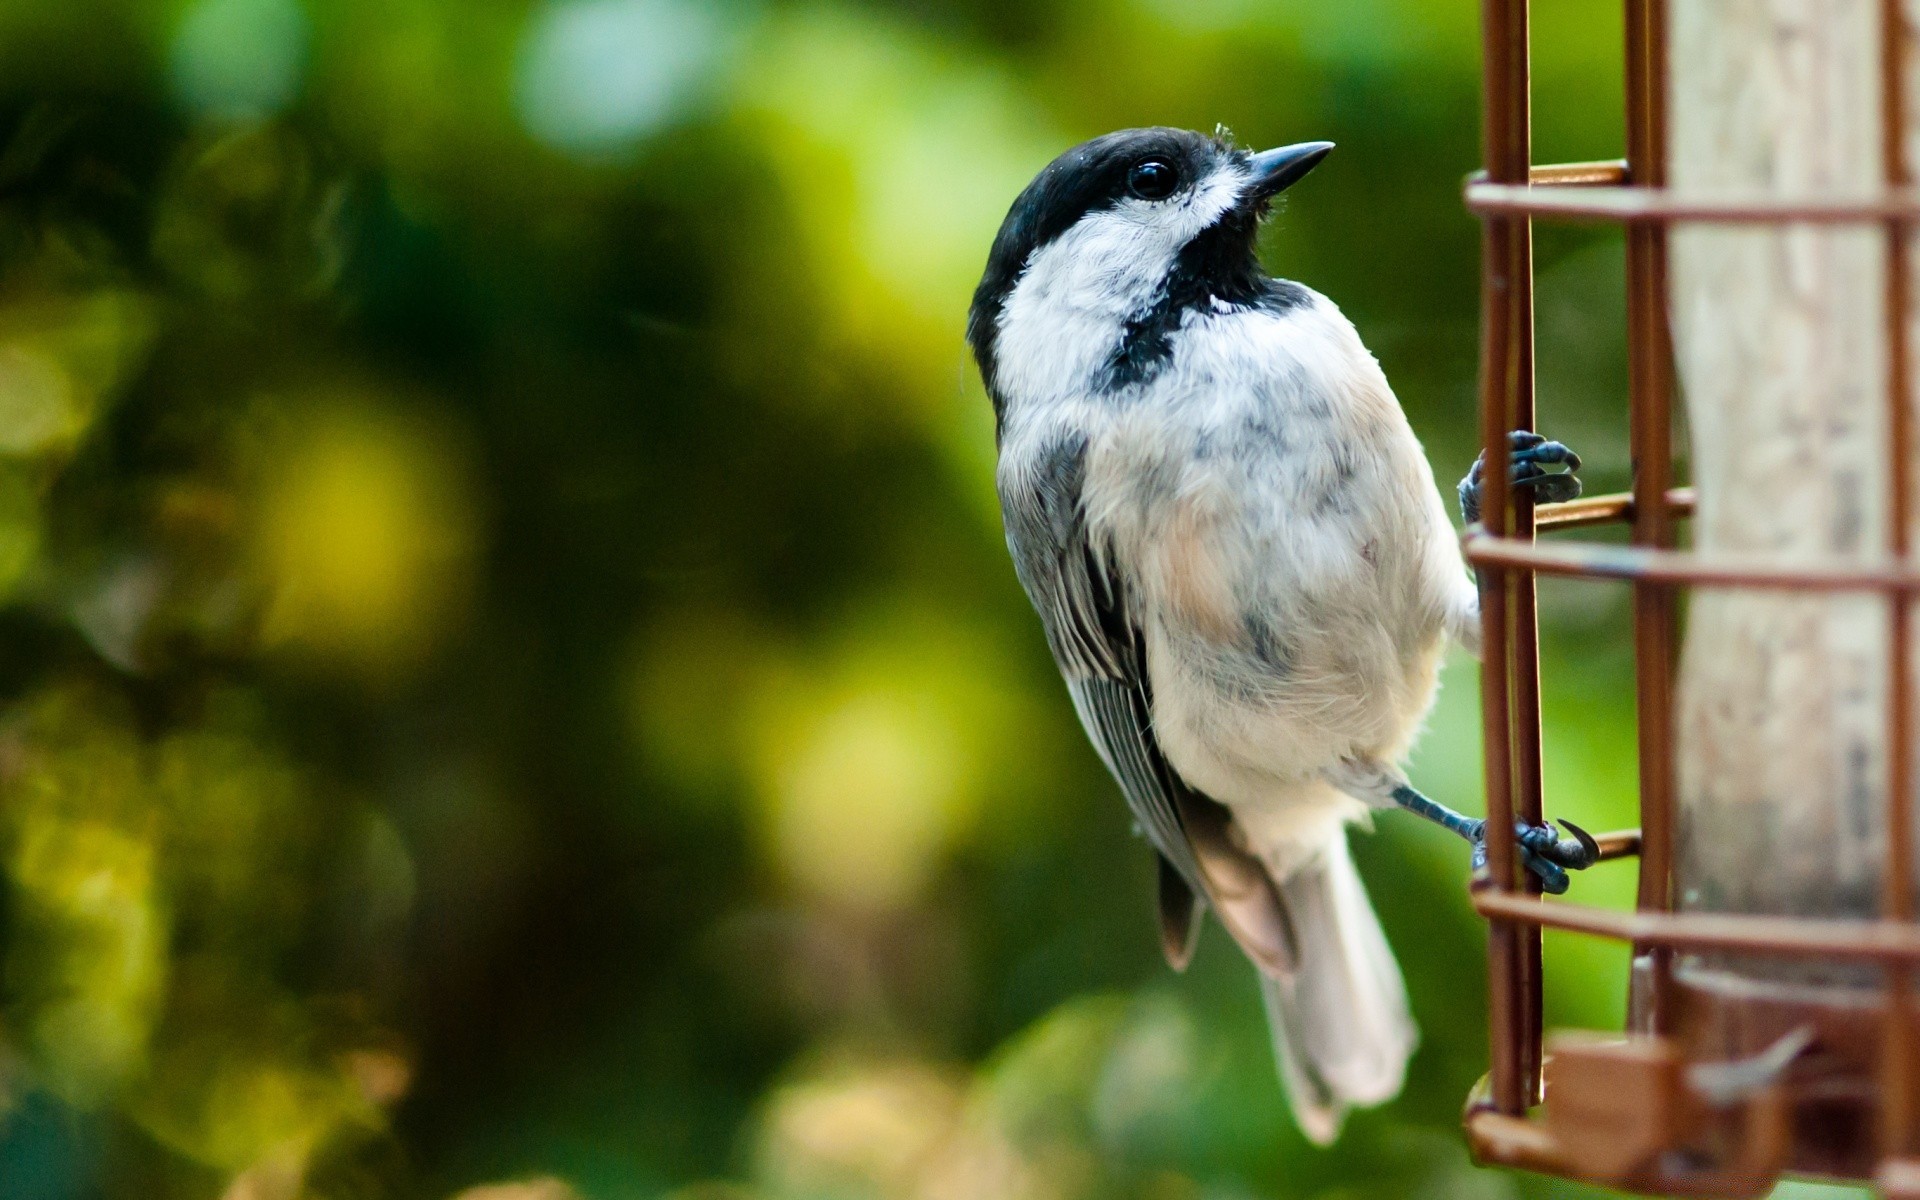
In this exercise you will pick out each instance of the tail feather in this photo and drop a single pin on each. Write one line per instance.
(1342, 1032)
(1180, 914)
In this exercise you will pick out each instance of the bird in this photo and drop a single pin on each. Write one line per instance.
(1245, 571)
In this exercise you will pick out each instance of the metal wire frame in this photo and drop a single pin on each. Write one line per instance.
(1507, 196)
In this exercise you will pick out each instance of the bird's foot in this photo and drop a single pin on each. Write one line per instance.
(1529, 456)
(1543, 850)
(1546, 853)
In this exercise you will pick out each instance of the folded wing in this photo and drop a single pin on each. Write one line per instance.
(1094, 633)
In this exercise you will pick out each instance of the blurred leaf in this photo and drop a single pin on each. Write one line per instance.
(61, 358)
(366, 536)
(239, 58)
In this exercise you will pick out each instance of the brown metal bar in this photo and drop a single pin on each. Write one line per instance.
(1601, 173)
(1898, 1102)
(1527, 730)
(1621, 843)
(1658, 62)
(1523, 656)
(1580, 560)
(1651, 434)
(1638, 203)
(1506, 357)
(1779, 937)
(1605, 510)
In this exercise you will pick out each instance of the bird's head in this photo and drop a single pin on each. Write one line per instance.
(1131, 220)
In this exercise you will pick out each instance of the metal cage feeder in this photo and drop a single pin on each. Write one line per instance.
(1639, 1110)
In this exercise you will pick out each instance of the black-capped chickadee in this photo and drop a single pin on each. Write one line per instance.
(1245, 570)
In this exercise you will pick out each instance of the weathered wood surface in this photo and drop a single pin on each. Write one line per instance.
(1781, 358)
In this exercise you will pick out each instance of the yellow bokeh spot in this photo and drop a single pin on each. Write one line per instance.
(19, 526)
(261, 1107)
(61, 357)
(904, 1130)
(365, 539)
(543, 1188)
(92, 939)
(36, 398)
(870, 1129)
(868, 798)
(870, 759)
(898, 158)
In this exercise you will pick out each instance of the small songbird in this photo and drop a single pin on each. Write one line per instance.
(1245, 571)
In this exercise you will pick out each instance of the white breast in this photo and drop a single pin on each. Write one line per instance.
(1271, 509)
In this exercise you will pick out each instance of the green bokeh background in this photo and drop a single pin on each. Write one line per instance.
(509, 678)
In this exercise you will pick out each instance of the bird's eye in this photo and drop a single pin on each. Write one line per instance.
(1151, 179)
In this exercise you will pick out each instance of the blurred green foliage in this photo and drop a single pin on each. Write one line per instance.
(511, 685)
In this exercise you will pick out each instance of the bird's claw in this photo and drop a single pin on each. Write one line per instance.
(1545, 853)
(1575, 853)
(1529, 456)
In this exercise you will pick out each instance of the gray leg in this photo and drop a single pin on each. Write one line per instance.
(1471, 828)
(1542, 850)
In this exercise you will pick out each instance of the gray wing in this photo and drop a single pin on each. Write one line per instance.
(1096, 640)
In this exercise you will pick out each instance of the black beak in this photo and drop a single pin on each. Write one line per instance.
(1274, 171)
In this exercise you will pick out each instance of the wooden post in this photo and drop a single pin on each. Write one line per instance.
(1782, 698)
(1794, 710)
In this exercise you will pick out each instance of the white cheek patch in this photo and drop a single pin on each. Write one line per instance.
(1065, 316)
(1216, 194)
(1114, 260)
(1110, 262)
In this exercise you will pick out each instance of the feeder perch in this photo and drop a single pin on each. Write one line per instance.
(1772, 1016)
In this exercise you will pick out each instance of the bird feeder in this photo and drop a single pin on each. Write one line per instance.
(1767, 200)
